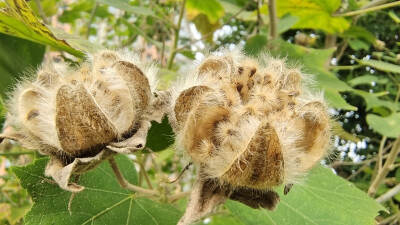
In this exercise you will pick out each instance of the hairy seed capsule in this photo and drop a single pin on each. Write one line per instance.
(70, 113)
(250, 122)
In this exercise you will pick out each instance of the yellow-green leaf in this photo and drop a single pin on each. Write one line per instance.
(314, 14)
(17, 19)
(211, 8)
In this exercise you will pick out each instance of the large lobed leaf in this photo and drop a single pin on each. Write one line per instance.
(102, 201)
(324, 198)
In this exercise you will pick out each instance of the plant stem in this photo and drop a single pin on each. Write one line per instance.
(176, 36)
(364, 162)
(143, 171)
(178, 196)
(125, 184)
(357, 172)
(17, 153)
(350, 67)
(361, 11)
(380, 152)
(259, 19)
(389, 194)
(273, 20)
(385, 168)
(91, 20)
(41, 12)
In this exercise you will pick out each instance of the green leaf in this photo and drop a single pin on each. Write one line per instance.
(19, 20)
(361, 33)
(373, 101)
(367, 79)
(387, 126)
(211, 8)
(16, 57)
(314, 14)
(324, 198)
(255, 45)
(336, 100)
(357, 44)
(160, 136)
(286, 22)
(124, 5)
(380, 65)
(102, 201)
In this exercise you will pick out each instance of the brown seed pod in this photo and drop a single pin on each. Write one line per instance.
(72, 114)
(249, 124)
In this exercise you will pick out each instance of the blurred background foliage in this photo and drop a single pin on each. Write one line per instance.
(351, 46)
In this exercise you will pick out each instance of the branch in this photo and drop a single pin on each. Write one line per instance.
(41, 12)
(176, 36)
(365, 162)
(91, 20)
(380, 152)
(361, 11)
(389, 194)
(125, 184)
(273, 20)
(17, 153)
(385, 168)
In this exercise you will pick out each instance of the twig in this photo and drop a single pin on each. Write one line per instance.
(341, 51)
(91, 20)
(370, 9)
(380, 153)
(125, 184)
(385, 169)
(365, 162)
(177, 196)
(179, 176)
(273, 20)
(143, 171)
(357, 172)
(349, 67)
(176, 36)
(16, 153)
(390, 218)
(389, 194)
(41, 11)
(259, 18)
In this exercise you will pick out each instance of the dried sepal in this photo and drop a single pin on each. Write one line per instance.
(208, 193)
(80, 116)
(250, 124)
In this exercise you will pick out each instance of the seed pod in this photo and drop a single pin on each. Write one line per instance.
(249, 124)
(72, 113)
